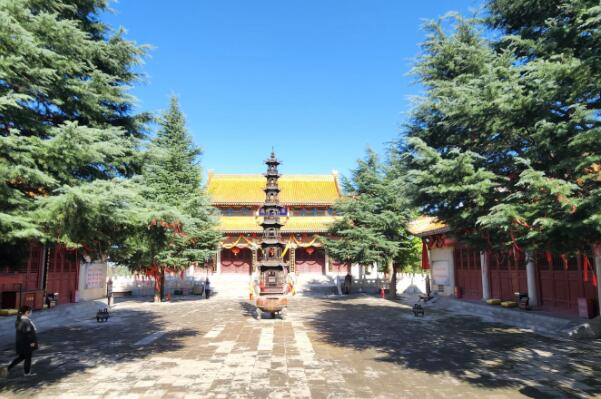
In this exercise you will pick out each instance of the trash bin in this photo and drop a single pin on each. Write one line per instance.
(198, 289)
(585, 308)
(52, 299)
(458, 292)
(522, 299)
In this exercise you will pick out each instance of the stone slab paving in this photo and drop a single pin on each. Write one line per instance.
(353, 347)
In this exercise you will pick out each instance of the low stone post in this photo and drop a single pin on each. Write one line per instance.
(531, 279)
(292, 259)
(218, 260)
(485, 276)
(253, 266)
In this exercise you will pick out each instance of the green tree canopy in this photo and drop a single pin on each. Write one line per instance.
(373, 219)
(505, 145)
(66, 118)
(177, 225)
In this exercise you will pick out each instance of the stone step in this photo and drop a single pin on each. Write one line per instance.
(236, 285)
(315, 285)
(230, 285)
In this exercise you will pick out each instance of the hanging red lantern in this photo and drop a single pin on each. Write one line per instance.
(310, 250)
(235, 251)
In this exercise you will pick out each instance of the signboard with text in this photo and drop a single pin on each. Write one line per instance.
(95, 276)
(440, 272)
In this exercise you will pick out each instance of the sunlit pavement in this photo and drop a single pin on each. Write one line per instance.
(356, 347)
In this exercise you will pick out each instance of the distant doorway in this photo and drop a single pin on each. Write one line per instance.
(310, 260)
(239, 263)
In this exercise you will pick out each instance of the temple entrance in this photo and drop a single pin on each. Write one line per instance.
(507, 275)
(62, 273)
(236, 263)
(468, 275)
(310, 260)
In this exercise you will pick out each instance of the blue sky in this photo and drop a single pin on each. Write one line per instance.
(320, 80)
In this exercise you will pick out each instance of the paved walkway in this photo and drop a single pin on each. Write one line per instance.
(358, 347)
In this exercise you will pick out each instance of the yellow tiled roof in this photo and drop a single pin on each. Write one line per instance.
(243, 224)
(426, 225)
(251, 224)
(308, 224)
(295, 189)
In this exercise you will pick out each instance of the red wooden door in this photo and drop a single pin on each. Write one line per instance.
(312, 261)
(561, 285)
(507, 274)
(236, 263)
(62, 273)
(468, 275)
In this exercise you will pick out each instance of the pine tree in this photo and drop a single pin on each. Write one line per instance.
(506, 144)
(66, 119)
(172, 174)
(557, 46)
(96, 217)
(373, 219)
(177, 226)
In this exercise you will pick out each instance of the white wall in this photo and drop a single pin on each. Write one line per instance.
(92, 280)
(144, 286)
(441, 259)
(407, 283)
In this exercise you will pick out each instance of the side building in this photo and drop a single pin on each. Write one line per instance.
(557, 283)
(29, 271)
(307, 212)
(34, 274)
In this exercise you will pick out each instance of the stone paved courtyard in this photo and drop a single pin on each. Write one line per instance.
(355, 347)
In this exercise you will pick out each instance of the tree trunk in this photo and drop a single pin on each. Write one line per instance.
(162, 271)
(392, 287)
(157, 288)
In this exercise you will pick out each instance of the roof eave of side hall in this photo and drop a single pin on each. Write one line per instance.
(425, 226)
(433, 232)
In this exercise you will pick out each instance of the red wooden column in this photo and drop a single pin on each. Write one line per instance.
(597, 255)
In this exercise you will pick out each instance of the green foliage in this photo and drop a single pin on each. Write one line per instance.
(95, 216)
(177, 224)
(505, 146)
(372, 218)
(171, 172)
(65, 116)
(70, 144)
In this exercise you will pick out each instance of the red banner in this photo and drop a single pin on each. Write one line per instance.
(425, 257)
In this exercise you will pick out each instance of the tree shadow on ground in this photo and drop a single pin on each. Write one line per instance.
(487, 355)
(249, 310)
(127, 336)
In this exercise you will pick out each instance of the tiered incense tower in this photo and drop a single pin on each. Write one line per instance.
(272, 244)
